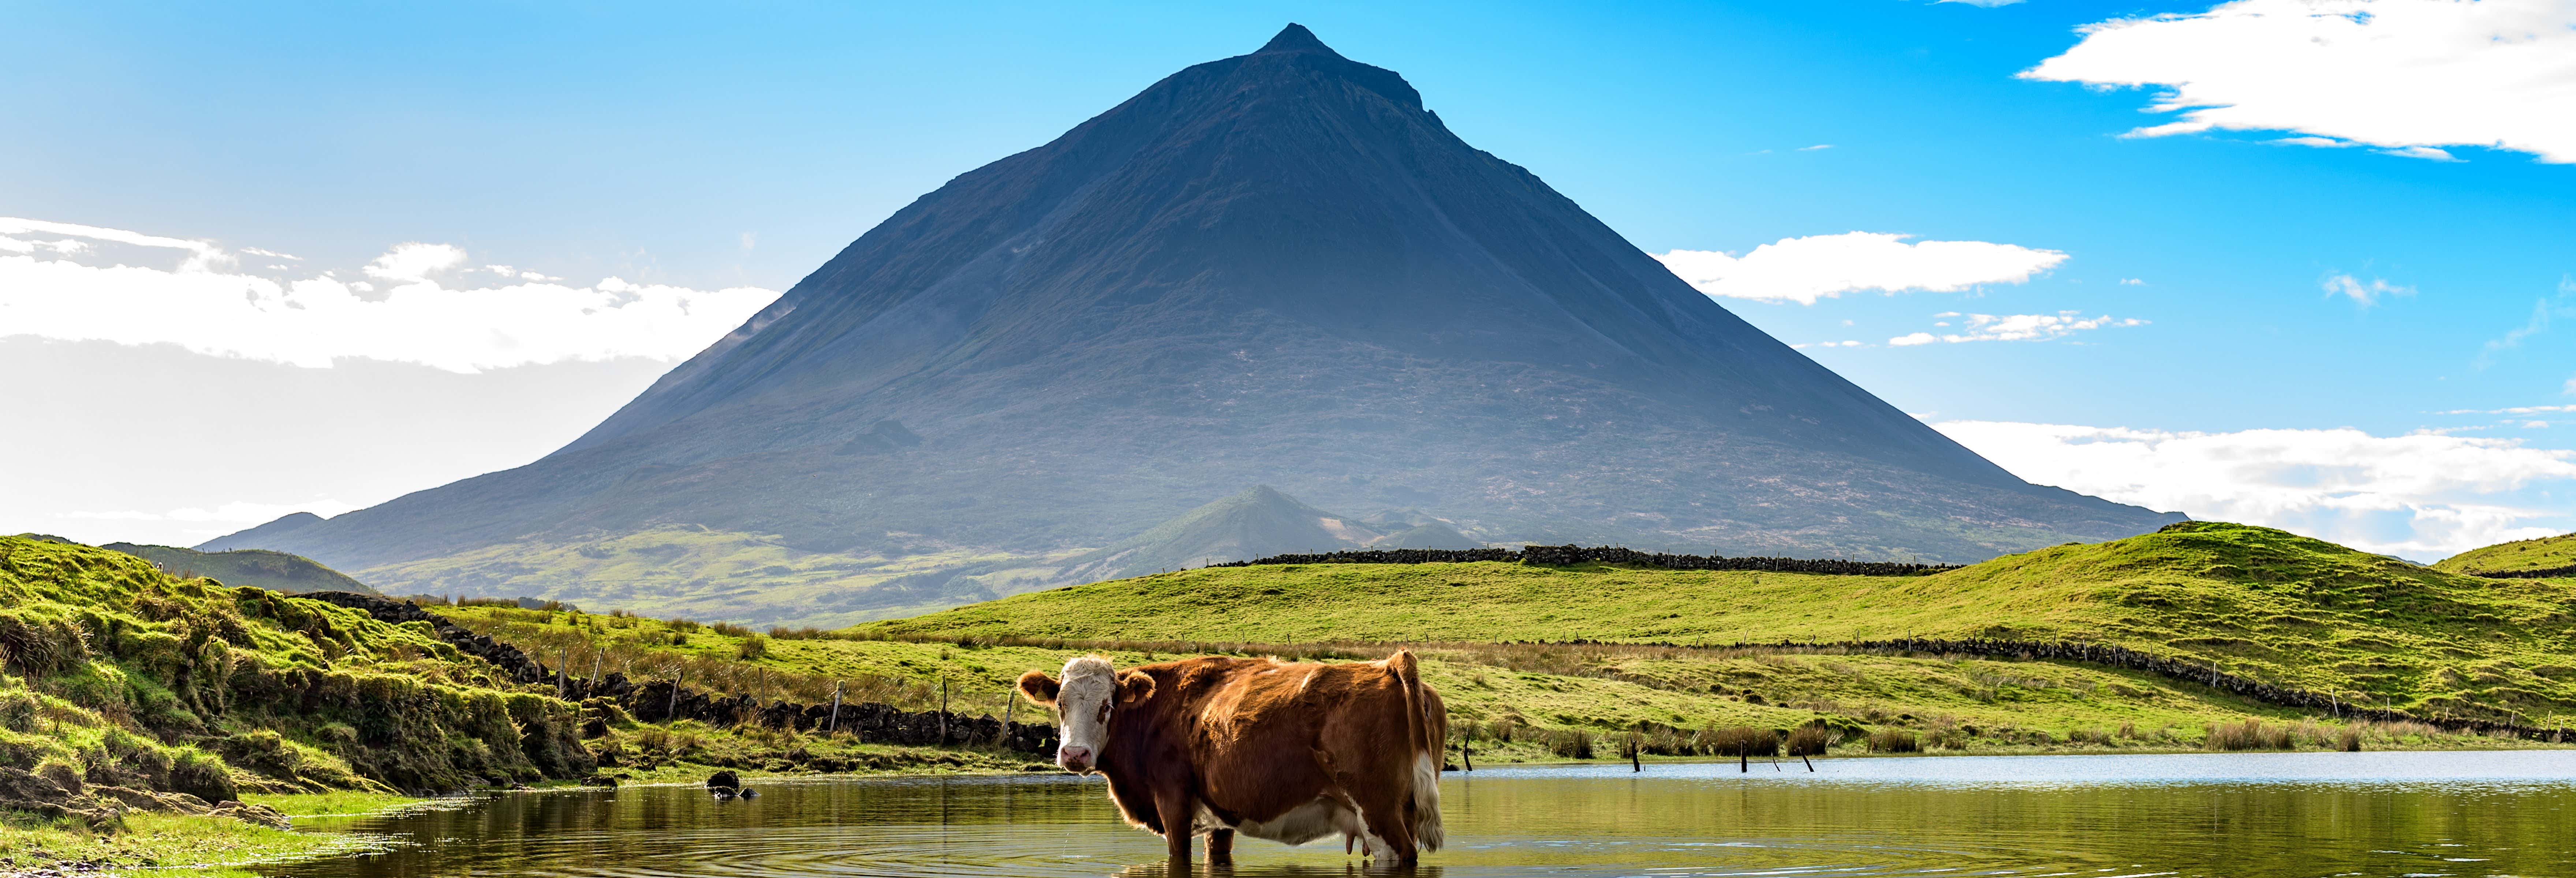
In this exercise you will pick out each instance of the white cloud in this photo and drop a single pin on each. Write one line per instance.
(2398, 74)
(273, 254)
(2016, 327)
(1815, 147)
(1830, 344)
(2364, 294)
(2423, 496)
(2516, 410)
(2421, 152)
(206, 305)
(2562, 305)
(229, 513)
(415, 261)
(2570, 389)
(2132, 282)
(1805, 269)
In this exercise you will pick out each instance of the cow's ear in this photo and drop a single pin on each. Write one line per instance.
(1135, 686)
(1039, 688)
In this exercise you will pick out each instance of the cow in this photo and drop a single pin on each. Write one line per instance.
(1289, 752)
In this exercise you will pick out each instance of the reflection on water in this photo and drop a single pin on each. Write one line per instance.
(2467, 814)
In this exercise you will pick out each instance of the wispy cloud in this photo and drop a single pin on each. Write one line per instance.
(229, 513)
(1804, 270)
(2361, 292)
(2015, 327)
(407, 312)
(1815, 147)
(2408, 76)
(1830, 344)
(2423, 496)
(2561, 305)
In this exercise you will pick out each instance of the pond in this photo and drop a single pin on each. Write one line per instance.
(2304, 814)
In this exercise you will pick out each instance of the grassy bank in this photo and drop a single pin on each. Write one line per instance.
(145, 717)
(191, 844)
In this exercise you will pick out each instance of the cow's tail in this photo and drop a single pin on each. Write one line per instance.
(1426, 727)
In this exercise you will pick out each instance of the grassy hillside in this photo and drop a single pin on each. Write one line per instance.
(722, 576)
(2252, 601)
(2546, 553)
(275, 571)
(2255, 602)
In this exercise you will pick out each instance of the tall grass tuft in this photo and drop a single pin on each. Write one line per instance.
(2251, 734)
(1894, 741)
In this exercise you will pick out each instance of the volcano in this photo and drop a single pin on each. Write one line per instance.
(1277, 269)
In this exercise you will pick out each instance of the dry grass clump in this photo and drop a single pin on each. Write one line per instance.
(1738, 741)
(2251, 734)
(1946, 733)
(1894, 741)
(1811, 739)
(1566, 743)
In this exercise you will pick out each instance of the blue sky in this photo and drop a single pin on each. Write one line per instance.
(738, 147)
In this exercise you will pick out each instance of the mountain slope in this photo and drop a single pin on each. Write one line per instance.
(1277, 268)
(275, 571)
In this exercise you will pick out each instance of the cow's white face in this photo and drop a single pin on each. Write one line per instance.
(1083, 700)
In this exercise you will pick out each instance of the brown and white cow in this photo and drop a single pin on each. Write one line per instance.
(1289, 752)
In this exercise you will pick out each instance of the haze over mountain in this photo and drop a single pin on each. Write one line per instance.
(1275, 269)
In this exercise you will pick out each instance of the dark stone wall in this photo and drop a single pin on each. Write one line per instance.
(1567, 556)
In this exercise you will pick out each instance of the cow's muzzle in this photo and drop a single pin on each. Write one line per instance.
(1074, 759)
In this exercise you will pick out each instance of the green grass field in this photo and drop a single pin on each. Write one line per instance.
(2546, 553)
(2254, 601)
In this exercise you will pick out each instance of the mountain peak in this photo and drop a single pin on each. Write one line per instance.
(1295, 38)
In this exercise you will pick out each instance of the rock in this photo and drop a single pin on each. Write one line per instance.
(724, 780)
(599, 780)
(750, 793)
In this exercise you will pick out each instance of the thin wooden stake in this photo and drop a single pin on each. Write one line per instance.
(836, 709)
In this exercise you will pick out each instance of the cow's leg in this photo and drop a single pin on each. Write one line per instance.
(1179, 811)
(1385, 818)
(1220, 846)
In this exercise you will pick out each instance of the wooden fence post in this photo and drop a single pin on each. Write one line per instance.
(836, 709)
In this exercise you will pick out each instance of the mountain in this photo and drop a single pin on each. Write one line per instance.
(262, 535)
(1257, 523)
(275, 571)
(1273, 269)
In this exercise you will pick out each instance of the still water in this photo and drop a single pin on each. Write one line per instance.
(2308, 814)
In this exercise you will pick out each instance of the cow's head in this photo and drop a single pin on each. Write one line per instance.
(1083, 700)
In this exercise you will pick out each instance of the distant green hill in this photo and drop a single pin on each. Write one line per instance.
(2545, 554)
(275, 571)
(2249, 601)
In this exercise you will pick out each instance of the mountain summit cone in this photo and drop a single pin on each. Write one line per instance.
(1274, 269)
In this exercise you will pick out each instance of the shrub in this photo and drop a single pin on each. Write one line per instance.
(2349, 741)
(752, 648)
